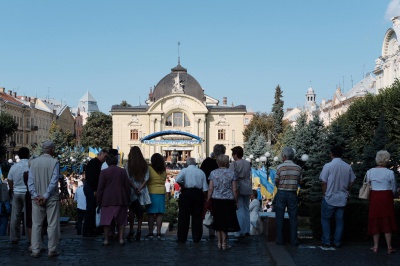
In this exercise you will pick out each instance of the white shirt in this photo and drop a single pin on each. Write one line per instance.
(192, 177)
(80, 198)
(16, 175)
(167, 187)
(381, 179)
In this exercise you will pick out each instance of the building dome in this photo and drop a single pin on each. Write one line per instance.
(178, 82)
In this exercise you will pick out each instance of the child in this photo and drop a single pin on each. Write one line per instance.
(81, 206)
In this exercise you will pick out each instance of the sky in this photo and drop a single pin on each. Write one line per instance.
(118, 50)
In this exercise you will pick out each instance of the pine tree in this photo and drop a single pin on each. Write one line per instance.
(277, 112)
(248, 146)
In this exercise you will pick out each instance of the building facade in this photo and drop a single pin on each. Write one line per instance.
(387, 66)
(178, 116)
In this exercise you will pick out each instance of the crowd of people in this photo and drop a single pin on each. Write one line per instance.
(110, 197)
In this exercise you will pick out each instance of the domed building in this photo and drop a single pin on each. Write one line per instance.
(178, 116)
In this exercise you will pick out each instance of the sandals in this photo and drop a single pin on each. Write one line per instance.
(391, 251)
(226, 246)
(375, 250)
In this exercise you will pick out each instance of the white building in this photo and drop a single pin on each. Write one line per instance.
(178, 116)
(387, 66)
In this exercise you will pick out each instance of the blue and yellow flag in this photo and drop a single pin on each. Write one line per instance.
(267, 182)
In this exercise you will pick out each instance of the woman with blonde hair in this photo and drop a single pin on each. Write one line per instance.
(156, 185)
(138, 173)
(381, 207)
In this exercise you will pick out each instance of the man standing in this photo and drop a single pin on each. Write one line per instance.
(242, 169)
(43, 187)
(337, 178)
(288, 176)
(92, 175)
(191, 201)
(17, 185)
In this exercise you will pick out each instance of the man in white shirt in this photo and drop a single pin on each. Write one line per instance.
(191, 201)
(167, 189)
(17, 185)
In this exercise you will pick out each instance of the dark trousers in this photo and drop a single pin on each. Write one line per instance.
(191, 204)
(89, 226)
(81, 215)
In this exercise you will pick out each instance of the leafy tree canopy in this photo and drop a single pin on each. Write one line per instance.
(7, 127)
(97, 132)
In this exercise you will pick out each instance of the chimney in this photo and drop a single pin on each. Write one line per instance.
(15, 94)
(224, 101)
(3, 90)
(10, 92)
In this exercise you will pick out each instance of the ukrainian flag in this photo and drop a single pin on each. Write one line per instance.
(92, 152)
(267, 182)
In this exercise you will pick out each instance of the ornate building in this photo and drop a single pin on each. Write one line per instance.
(387, 66)
(34, 117)
(387, 69)
(178, 116)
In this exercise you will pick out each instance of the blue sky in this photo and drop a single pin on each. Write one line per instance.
(239, 49)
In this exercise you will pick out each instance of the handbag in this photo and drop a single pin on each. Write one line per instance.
(208, 219)
(98, 215)
(365, 189)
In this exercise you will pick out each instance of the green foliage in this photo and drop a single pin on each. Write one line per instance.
(277, 112)
(171, 211)
(60, 138)
(125, 104)
(7, 127)
(262, 123)
(97, 132)
(370, 124)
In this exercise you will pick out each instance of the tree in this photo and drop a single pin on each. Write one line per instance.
(277, 112)
(7, 127)
(125, 104)
(263, 123)
(97, 132)
(60, 138)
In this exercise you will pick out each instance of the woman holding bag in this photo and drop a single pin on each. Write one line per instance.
(242, 170)
(381, 207)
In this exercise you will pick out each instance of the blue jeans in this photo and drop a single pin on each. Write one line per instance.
(327, 211)
(286, 199)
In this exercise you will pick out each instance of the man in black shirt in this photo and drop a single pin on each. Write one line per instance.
(92, 175)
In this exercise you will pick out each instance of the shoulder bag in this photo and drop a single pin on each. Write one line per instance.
(365, 189)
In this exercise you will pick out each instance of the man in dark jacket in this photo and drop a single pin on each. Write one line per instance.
(92, 175)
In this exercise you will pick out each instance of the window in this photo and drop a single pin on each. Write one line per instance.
(221, 134)
(246, 121)
(134, 134)
(177, 120)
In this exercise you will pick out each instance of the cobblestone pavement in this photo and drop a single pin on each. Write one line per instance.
(356, 253)
(76, 250)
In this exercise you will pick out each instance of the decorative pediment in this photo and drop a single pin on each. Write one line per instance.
(222, 121)
(134, 121)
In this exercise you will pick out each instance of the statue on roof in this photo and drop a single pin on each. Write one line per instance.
(178, 85)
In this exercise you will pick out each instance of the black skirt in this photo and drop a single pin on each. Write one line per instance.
(224, 213)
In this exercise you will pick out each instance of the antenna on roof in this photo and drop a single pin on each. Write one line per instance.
(343, 83)
(351, 76)
(179, 55)
(363, 71)
(139, 101)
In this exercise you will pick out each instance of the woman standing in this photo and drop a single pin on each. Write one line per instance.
(223, 194)
(113, 193)
(138, 173)
(381, 207)
(156, 186)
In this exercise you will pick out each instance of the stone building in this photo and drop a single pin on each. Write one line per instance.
(179, 116)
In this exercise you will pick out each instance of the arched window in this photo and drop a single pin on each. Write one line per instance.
(177, 119)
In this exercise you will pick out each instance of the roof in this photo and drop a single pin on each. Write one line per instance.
(139, 108)
(238, 108)
(87, 98)
(10, 99)
(180, 82)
